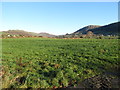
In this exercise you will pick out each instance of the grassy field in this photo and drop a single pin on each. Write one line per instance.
(50, 63)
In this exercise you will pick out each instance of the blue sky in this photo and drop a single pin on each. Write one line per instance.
(57, 17)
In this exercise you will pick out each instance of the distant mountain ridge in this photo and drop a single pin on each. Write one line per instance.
(110, 29)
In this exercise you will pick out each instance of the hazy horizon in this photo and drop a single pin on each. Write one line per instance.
(57, 17)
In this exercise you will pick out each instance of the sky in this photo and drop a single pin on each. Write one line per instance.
(56, 17)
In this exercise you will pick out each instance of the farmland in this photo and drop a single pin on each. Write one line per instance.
(48, 63)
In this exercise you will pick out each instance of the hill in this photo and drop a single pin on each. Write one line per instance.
(84, 30)
(19, 33)
(22, 33)
(43, 34)
(111, 29)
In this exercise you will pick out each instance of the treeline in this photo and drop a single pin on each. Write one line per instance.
(89, 34)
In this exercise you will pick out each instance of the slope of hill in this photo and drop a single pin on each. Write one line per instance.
(19, 33)
(111, 29)
(25, 33)
(43, 34)
(85, 29)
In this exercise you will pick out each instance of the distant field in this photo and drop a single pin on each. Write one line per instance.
(43, 62)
